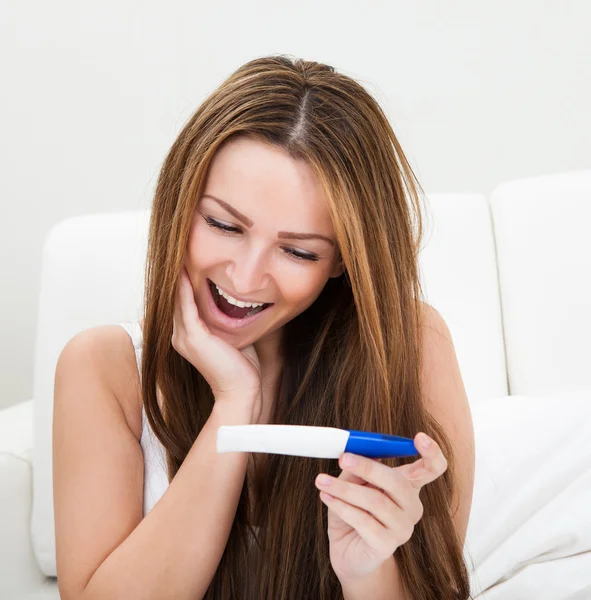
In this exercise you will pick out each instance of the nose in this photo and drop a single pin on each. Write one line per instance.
(248, 272)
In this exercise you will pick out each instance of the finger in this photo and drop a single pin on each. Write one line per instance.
(183, 330)
(189, 313)
(431, 465)
(390, 480)
(349, 476)
(188, 305)
(370, 499)
(372, 532)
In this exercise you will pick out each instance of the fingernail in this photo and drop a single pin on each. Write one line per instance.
(324, 480)
(424, 441)
(349, 460)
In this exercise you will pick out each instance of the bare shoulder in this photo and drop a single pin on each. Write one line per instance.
(110, 352)
(98, 468)
(433, 323)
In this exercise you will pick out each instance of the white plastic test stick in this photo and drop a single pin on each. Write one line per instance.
(295, 440)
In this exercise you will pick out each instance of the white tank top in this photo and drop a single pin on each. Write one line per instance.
(155, 469)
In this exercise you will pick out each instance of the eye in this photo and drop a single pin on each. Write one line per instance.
(226, 228)
(217, 225)
(299, 256)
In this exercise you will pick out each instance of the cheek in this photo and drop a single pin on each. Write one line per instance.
(203, 248)
(300, 288)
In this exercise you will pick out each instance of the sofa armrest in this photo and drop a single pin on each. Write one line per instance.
(19, 573)
(16, 430)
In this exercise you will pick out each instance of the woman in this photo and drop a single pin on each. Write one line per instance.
(288, 191)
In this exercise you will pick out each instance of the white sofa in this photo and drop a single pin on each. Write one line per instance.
(511, 274)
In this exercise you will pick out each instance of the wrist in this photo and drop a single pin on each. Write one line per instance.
(234, 409)
(384, 583)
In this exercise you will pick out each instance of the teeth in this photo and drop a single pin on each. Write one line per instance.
(234, 301)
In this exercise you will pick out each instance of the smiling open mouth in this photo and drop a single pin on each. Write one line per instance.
(236, 312)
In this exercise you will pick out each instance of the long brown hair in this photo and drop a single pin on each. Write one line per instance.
(351, 360)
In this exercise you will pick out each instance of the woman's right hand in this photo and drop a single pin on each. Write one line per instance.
(229, 372)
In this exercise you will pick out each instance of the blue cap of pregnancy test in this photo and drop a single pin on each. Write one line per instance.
(379, 445)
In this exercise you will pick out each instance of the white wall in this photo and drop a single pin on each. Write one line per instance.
(93, 95)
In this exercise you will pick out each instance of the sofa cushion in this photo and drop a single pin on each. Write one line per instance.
(16, 429)
(544, 258)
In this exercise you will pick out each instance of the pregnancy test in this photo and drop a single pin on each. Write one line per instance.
(315, 442)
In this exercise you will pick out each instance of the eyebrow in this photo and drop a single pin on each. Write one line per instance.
(282, 234)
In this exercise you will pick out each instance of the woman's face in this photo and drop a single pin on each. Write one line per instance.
(256, 261)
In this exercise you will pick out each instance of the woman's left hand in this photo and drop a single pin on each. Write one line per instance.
(373, 508)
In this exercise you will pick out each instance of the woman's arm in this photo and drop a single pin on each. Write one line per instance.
(105, 549)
